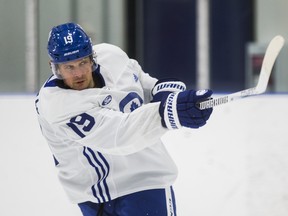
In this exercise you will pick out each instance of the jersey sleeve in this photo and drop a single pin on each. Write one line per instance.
(86, 123)
(114, 132)
(113, 59)
(116, 62)
(146, 80)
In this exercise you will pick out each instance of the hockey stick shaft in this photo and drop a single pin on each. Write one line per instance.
(270, 56)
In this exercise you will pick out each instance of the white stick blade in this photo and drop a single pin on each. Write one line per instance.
(270, 57)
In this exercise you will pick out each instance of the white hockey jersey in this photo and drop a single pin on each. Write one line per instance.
(106, 141)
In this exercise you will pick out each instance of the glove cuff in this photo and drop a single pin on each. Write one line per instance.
(169, 112)
(169, 86)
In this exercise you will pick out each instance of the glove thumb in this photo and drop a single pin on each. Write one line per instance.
(203, 94)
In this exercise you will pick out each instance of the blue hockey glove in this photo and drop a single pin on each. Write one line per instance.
(180, 109)
(164, 87)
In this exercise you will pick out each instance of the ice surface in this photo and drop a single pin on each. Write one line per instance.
(236, 165)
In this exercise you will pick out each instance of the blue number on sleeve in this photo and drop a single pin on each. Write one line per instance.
(81, 123)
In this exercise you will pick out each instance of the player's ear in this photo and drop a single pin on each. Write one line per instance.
(50, 64)
(94, 61)
(55, 69)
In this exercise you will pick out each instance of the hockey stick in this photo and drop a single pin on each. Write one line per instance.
(270, 56)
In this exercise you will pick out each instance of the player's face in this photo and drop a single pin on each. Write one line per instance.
(77, 74)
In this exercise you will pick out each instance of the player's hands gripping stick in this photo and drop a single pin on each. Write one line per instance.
(181, 109)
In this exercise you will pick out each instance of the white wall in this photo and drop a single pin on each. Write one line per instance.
(236, 165)
(103, 20)
(270, 19)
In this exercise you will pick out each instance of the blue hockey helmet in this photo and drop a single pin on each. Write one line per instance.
(68, 42)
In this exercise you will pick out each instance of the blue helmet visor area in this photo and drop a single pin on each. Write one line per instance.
(55, 69)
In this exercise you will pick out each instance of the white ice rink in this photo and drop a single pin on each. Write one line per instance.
(236, 165)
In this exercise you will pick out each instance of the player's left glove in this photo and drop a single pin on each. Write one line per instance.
(181, 109)
(164, 87)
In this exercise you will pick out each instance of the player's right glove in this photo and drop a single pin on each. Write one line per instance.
(180, 109)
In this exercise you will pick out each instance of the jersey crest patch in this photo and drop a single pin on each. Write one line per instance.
(107, 100)
(131, 102)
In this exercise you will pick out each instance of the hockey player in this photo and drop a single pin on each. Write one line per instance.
(103, 117)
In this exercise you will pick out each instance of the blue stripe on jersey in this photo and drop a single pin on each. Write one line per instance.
(102, 169)
(104, 180)
(50, 83)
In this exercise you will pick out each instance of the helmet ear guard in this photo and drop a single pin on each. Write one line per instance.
(94, 60)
